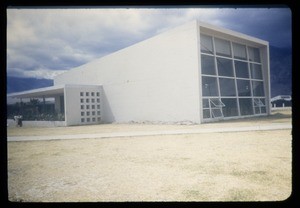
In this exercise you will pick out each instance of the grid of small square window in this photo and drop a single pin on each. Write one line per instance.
(89, 102)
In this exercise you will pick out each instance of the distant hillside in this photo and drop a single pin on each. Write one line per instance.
(16, 84)
(281, 71)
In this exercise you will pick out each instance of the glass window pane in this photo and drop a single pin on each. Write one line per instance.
(258, 88)
(216, 112)
(209, 86)
(239, 51)
(258, 102)
(206, 113)
(227, 87)
(230, 108)
(246, 106)
(216, 103)
(208, 65)
(206, 44)
(256, 72)
(254, 54)
(243, 87)
(241, 69)
(222, 47)
(205, 103)
(225, 67)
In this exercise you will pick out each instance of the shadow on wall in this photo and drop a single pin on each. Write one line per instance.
(108, 116)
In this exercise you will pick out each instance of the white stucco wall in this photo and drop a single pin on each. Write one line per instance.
(158, 79)
(72, 104)
(154, 80)
(266, 74)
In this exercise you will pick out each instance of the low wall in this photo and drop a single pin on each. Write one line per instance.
(281, 108)
(11, 122)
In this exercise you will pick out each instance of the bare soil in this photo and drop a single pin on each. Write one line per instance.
(241, 166)
(283, 116)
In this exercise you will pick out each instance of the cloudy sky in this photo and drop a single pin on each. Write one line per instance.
(42, 43)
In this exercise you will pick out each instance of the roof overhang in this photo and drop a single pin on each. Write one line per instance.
(232, 35)
(45, 92)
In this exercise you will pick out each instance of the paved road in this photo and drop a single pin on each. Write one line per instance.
(153, 133)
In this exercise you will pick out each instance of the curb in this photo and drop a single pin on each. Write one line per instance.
(153, 133)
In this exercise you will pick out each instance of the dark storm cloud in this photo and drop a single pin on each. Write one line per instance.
(273, 25)
(42, 43)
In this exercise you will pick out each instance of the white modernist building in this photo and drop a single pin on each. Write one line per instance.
(195, 72)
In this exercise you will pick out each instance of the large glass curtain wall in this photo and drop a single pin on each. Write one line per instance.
(232, 79)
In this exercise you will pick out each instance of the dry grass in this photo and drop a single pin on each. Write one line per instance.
(244, 166)
(241, 166)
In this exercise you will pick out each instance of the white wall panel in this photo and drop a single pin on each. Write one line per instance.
(154, 80)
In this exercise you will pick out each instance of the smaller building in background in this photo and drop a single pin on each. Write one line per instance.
(281, 101)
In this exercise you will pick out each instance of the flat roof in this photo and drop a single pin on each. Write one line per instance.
(39, 93)
(46, 92)
(230, 33)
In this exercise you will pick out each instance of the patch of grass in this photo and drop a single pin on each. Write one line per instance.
(241, 195)
(185, 158)
(194, 195)
(255, 176)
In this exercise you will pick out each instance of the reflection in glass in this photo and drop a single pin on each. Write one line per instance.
(206, 44)
(227, 87)
(254, 54)
(243, 87)
(208, 65)
(225, 67)
(230, 108)
(222, 47)
(256, 72)
(258, 88)
(241, 69)
(246, 106)
(209, 86)
(239, 51)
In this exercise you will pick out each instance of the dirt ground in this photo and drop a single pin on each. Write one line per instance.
(240, 166)
(282, 116)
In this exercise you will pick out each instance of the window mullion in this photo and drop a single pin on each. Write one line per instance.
(235, 80)
(216, 67)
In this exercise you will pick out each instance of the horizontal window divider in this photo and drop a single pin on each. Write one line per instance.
(252, 62)
(240, 78)
(207, 75)
(243, 60)
(228, 97)
(209, 54)
(260, 80)
(226, 77)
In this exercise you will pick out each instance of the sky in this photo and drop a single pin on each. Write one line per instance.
(43, 42)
